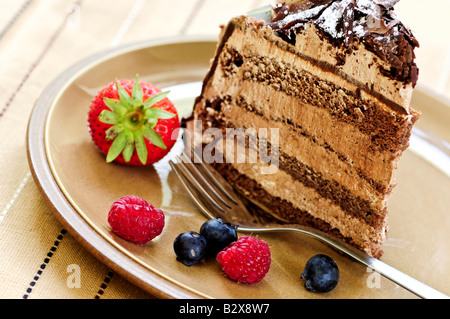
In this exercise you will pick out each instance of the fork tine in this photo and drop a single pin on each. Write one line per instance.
(207, 169)
(194, 196)
(187, 172)
(238, 209)
(207, 180)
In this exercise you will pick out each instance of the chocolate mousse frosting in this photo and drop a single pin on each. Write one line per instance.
(373, 22)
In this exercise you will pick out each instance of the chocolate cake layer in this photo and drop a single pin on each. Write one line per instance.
(363, 207)
(338, 169)
(319, 203)
(387, 131)
(287, 211)
(340, 121)
(293, 133)
(320, 52)
(341, 114)
(336, 137)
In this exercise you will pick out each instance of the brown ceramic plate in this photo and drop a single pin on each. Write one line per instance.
(80, 186)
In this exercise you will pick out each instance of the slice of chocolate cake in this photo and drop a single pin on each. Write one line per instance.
(330, 81)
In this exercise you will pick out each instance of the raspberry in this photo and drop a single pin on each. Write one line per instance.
(247, 260)
(134, 219)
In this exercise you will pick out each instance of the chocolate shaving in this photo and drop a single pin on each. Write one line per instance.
(280, 13)
(292, 17)
(322, 2)
(303, 6)
(374, 25)
(306, 5)
(347, 23)
(373, 22)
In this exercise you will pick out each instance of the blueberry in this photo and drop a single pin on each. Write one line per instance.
(321, 274)
(190, 248)
(218, 235)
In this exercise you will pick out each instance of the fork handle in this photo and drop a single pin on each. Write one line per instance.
(416, 287)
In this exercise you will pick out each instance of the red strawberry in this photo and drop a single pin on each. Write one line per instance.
(246, 260)
(132, 122)
(136, 220)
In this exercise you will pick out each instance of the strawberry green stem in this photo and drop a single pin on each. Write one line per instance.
(133, 120)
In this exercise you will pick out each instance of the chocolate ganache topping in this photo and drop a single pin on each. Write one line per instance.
(373, 22)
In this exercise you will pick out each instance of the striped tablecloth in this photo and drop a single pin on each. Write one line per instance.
(39, 39)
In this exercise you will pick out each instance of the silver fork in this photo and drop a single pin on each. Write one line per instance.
(215, 197)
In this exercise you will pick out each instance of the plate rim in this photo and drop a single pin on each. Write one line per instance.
(67, 215)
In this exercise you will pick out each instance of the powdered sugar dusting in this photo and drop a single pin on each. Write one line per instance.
(368, 7)
(329, 20)
(302, 15)
(342, 18)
